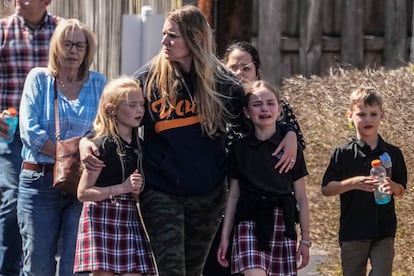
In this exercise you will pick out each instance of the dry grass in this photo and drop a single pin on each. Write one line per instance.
(321, 104)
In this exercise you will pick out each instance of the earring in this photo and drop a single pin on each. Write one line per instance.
(351, 124)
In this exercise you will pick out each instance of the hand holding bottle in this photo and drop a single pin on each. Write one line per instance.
(378, 172)
(8, 125)
(4, 129)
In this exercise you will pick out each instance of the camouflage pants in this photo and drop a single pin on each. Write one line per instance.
(181, 229)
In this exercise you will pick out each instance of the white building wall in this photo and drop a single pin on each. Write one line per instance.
(141, 39)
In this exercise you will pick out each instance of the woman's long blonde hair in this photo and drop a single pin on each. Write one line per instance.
(165, 76)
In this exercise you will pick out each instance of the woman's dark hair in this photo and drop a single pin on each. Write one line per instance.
(245, 47)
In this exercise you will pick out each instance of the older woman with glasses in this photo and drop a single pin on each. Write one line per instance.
(47, 216)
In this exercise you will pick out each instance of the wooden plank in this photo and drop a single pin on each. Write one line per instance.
(290, 18)
(289, 65)
(373, 59)
(331, 17)
(234, 23)
(333, 44)
(269, 39)
(310, 37)
(396, 32)
(412, 35)
(329, 60)
(352, 46)
(374, 17)
(373, 43)
(290, 44)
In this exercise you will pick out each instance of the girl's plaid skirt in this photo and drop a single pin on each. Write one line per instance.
(111, 237)
(280, 260)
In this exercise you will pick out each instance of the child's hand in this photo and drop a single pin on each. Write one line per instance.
(133, 183)
(302, 255)
(387, 187)
(221, 253)
(365, 183)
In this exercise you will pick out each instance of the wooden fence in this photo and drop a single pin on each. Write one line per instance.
(293, 36)
(310, 36)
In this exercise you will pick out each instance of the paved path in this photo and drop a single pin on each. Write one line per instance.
(316, 260)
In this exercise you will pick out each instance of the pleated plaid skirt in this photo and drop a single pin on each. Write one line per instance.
(280, 260)
(111, 237)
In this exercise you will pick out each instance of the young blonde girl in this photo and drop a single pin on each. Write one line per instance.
(262, 202)
(111, 237)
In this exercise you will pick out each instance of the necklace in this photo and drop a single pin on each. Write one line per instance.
(69, 88)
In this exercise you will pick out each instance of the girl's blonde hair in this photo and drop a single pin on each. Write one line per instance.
(56, 46)
(115, 92)
(165, 77)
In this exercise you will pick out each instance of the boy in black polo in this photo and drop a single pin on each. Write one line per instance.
(366, 229)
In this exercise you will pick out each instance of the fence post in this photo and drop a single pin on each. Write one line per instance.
(269, 39)
(352, 39)
(395, 33)
(310, 37)
(412, 38)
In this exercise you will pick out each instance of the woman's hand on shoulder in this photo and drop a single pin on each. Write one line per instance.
(288, 146)
(88, 155)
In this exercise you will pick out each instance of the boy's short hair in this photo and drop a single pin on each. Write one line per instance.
(366, 95)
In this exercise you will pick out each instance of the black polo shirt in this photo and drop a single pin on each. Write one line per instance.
(361, 218)
(252, 163)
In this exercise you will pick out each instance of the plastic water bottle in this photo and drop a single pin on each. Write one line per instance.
(9, 115)
(386, 163)
(379, 173)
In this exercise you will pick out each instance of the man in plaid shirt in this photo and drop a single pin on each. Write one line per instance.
(24, 44)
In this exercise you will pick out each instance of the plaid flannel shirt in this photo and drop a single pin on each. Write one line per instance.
(21, 49)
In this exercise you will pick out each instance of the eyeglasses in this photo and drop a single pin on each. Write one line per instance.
(80, 46)
(244, 68)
